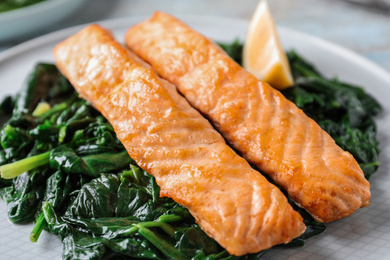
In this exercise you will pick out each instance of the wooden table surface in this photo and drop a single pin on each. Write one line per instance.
(363, 30)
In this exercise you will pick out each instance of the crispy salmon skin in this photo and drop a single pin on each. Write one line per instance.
(191, 162)
(259, 122)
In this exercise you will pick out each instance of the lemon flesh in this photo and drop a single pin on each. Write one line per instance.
(263, 54)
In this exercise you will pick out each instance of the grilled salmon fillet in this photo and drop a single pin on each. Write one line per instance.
(172, 141)
(257, 120)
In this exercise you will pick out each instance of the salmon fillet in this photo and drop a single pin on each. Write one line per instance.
(257, 120)
(172, 141)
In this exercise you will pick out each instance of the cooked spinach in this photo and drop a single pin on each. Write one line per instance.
(70, 173)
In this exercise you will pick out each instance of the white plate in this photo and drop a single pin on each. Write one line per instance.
(364, 235)
(31, 19)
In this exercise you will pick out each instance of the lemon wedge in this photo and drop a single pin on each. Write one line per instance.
(263, 55)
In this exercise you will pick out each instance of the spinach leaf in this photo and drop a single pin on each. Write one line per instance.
(15, 143)
(67, 160)
(6, 106)
(88, 204)
(25, 196)
(78, 244)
